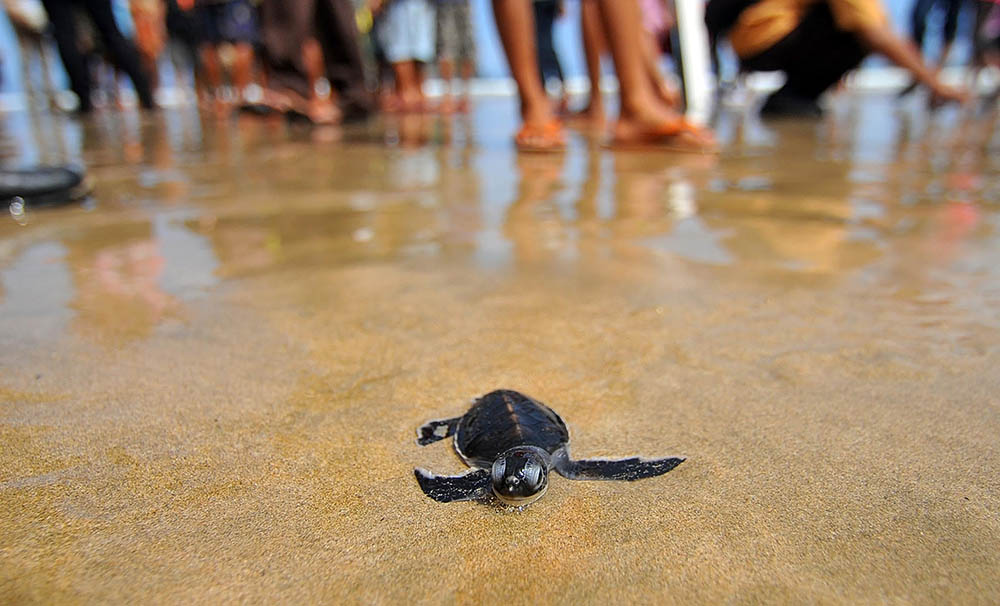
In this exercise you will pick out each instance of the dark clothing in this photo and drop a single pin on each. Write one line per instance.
(183, 25)
(121, 51)
(285, 25)
(987, 39)
(548, 61)
(922, 8)
(234, 21)
(815, 56)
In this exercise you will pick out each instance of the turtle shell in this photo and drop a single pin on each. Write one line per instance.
(503, 419)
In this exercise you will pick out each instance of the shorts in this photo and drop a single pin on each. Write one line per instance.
(407, 31)
(454, 31)
(228, 21)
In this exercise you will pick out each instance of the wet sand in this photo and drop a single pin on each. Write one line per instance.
(212, 376)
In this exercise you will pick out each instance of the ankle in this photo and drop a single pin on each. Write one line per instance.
(536, 112)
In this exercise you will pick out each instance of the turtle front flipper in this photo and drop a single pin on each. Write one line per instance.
(432, 431)
(633, 468)
(471, 486)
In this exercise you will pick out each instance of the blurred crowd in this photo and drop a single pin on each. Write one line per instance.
(329, 61)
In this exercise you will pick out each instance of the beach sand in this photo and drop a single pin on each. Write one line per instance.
(212, 380)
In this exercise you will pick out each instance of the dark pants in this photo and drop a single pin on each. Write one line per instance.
(815, 56)
(548, 61)
(286, 24)
(922, 8)
(122, 52)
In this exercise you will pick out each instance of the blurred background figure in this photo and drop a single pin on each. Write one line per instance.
(815, 43)
(302, 37)
(594, 47)
(455, 48)
(654, 38)
(986, 42)
(30, 26)
(644, 119)
(546, 13)
(918, 27)
(227, 24)
(658, 21)
(149, 32)
(183, 42)
(407, 35)
(121, 52)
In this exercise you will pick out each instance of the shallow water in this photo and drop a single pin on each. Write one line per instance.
(213, 371)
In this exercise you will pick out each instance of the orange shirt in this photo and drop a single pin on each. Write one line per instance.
(762, 25)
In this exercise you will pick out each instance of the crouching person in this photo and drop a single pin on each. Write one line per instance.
(815, 42)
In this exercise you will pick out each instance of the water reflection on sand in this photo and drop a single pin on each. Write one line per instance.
(213, 370)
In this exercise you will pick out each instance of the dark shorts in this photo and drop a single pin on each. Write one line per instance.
(228, 21)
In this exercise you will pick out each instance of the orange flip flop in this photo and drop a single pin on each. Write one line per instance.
(674, 135)
(544, 138)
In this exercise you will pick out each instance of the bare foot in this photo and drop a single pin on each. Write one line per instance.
(447, 105)
(591, 116)
(535, 137)
(668, 131)
(668, 94)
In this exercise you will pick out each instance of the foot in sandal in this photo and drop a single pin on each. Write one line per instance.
(541, 137)
(668, 132)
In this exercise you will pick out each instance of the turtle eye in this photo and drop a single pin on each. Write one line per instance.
(532, 473)
(499, 467)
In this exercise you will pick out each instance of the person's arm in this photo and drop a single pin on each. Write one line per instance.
(881, 39)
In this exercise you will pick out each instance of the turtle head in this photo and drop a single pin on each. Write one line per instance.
(520, 475)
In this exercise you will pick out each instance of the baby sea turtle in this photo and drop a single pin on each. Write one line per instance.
(512, 442)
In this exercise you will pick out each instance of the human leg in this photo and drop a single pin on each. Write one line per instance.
(123, 53)
(337, 32)
(285, 25)
(515, 24)
(651, 60)
(644, 117)
(64, 31)
(405, 73)
(593, 47)
(466, 52)
(447, 50)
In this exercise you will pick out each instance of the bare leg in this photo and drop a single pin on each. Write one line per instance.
(651, 59)
(468, 71)
(320, 109)
(642, 113)
(243, 67)
(594, 45)
(419, 73)
(213, 70)
(446, 69)
(516, 25)
(406, 83)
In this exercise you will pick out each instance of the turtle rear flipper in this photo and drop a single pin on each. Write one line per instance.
(471, 486)
(432, 431)
(633, 468)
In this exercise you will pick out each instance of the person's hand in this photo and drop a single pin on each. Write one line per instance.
(376, 6)
(941, 93)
